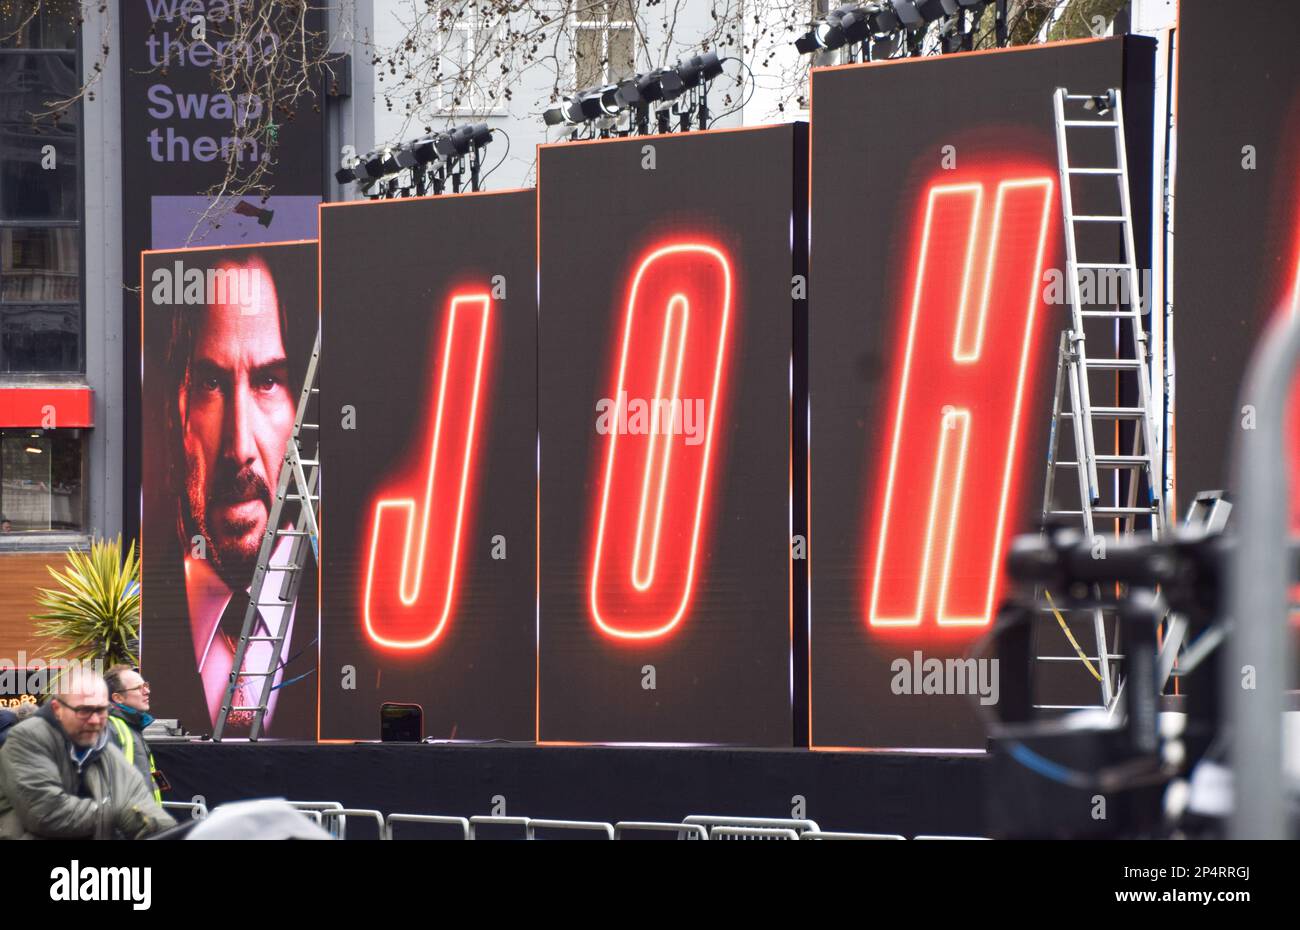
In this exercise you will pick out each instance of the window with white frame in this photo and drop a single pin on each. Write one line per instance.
(470, 79)
(605, 42)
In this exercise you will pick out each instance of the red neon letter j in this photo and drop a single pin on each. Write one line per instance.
(958, 389)
(414, 560)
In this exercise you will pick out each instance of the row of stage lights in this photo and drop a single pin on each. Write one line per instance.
(676, 97)
(877, 26)
(426, 165)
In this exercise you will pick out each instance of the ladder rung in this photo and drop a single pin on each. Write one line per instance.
(247, 674)
(1114, 364)
(308, 463)
(1084, 96)
(1090, 123)
(299, 497)
(294, 533)
(1075, 658)
(254, 709)
(1106, 512)
(1117, 413)
(309, 426)
(1100, 219)
(315, 390)
(1122, 460)
(265, 639)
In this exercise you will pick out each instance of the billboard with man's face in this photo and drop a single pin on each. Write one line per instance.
(227, 333)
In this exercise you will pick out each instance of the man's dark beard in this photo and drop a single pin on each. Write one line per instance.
(234, 486)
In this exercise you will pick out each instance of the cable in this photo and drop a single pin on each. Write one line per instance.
(484, 178)
(285, 662)
(293, 680)
(740, 106)
(1070, 636)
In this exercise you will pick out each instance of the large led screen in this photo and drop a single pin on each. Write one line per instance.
(1236, 224)
(227, 337)
(937, 307)
(429, 425)
(671, 297)
(182, 133)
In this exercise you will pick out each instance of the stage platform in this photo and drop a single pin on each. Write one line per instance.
(878, 792)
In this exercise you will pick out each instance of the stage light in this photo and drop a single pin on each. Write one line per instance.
(698, 68)
(670, 84)
(829, 34)
(851, 24)
(588, 104)
(405, 157)
(642, 89)
(374, 165)
(418, 157)
(424, 150)
(611, 100)
(562, 113)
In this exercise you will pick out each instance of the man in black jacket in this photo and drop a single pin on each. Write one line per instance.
(62, 778)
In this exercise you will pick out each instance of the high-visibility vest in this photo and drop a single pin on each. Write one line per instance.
(127, 740)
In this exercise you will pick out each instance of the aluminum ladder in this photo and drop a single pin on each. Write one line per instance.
(297, 490)
(1110, 482)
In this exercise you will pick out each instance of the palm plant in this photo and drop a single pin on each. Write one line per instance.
(94, 613)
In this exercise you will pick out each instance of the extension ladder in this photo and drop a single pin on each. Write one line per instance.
(297, 490)
(1123, 482)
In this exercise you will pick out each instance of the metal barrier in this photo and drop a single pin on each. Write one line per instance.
(461, 822)
(332, 815)
(335, 819)
(754, 833)
(315, 805)
(197, 810)
(484, 820)
(590, 826)
(691, 831)
(711, 822)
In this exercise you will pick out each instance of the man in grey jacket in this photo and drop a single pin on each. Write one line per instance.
(62, 778)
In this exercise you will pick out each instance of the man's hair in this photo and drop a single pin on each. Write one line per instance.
(176, 366)
(113, 678)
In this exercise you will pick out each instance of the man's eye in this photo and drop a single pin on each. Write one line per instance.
(268, 383)
(211, 384)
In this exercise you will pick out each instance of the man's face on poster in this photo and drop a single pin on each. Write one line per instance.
(237, 416)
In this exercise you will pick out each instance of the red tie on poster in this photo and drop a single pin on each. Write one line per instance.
(959, 391)
(659, 427)
(414, 560)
